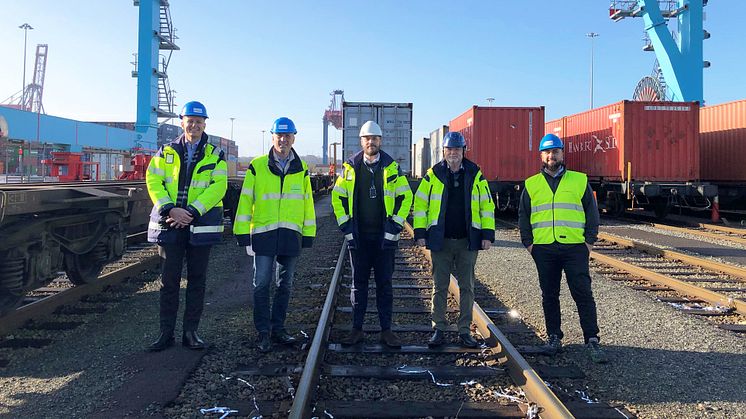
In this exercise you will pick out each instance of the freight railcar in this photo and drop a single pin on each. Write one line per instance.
(504, 142)
(75, 228)
(638, 154)
(722, 140)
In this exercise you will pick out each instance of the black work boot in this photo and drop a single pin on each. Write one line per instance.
(438, 338)
(283, 337)
(553, 345)
(467, 341)
(263, 342)
(191, 340)
(165, 340)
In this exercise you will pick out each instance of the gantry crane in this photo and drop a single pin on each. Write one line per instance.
(154, 95)
(33, 92)
(679, 53)
(29, 99)
(333, 115)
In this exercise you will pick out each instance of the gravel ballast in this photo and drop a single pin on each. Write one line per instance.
(664, 364)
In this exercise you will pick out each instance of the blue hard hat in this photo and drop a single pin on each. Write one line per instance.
(454, 140)
(551, 141)
(283, 125)
(193, 108)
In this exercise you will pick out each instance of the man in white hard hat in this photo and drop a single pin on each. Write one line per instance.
(371, 201)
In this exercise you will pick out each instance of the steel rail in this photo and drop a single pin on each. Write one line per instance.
(48, 305)
(675, 284)
(520, 371)
(724, 229)
(301, 408)
(739, 240)
(670, 254)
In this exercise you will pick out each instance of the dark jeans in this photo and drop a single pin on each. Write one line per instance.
(369, 255)
(172, 261)
(264, 272)
(551, 260)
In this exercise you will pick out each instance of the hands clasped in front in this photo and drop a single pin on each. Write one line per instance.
(179, 218)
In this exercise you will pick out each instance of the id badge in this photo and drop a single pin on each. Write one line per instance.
(372, 192)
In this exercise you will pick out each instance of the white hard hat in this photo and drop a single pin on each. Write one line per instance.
(370, 128)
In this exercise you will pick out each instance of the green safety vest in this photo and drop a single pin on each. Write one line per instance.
(558, 216)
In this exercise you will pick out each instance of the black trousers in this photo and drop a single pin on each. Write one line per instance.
(172, 261)
(551, 260)
(366, 256)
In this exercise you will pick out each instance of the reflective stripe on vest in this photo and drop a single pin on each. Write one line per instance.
(558, 216)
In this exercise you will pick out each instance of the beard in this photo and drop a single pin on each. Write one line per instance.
(552, 166)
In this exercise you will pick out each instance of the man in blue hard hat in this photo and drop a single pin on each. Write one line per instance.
(454, 216)
(274, 220)
(558, 219)
(186, 179)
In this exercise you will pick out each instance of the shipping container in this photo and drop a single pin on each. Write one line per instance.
(232, 168)
(421, 157)
(395, 120)
(722, 140)
(168, 133)
(658, 140)
(436, 144)
(503, 141)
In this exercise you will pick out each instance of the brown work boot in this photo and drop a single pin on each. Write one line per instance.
(355, 336)
(389, 339)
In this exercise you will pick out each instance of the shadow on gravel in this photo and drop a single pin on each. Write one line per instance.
(646, 376)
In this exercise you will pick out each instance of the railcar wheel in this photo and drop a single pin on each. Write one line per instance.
(661, 208)
(82, 269)
(615, 204)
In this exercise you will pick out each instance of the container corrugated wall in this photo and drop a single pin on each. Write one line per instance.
(659, 139)
(436, 144)
(722, 139)
(503, 141)
(421, 157)
(395, 120)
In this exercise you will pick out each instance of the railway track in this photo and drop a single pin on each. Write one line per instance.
(138, 258)
(692, 284)
(693, 226)
(372, 380)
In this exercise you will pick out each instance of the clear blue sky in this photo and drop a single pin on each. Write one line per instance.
(256, 60)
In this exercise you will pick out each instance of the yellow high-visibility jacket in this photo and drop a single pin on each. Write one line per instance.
(431, 200)
(558, 216)
(397, 199)
(199, 190)
(275, 213)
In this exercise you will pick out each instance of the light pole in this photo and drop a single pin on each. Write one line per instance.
(232, 119)
(591, 35)
(25, 28)
(490, 100)
(263, 131)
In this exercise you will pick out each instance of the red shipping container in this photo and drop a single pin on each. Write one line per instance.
(555, 127)
(502, 141)
(659, 139)
(722, 141)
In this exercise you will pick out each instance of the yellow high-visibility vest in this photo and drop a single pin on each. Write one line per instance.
(558, 216)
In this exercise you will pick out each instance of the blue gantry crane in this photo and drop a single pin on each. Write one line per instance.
(679, 53)
(154, 97)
